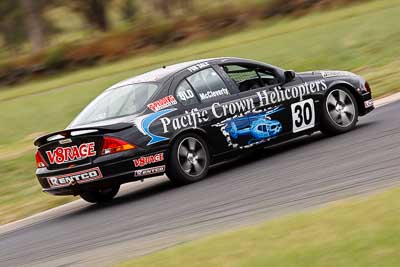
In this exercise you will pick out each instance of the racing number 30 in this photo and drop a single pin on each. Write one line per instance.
(303, 115)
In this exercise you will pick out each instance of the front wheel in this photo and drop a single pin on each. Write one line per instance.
(188, 159)
(339, 112)
(101, 195)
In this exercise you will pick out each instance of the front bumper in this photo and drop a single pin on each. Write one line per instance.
(103, 172)
(367, 104)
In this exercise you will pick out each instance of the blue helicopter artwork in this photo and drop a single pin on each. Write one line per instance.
(257, 126)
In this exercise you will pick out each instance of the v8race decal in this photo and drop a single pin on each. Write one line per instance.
(145, 160)
(76, 177)
(62, 155)
(303, 115)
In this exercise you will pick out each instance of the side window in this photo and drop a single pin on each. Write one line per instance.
(250, 77)
(239, 73)
(184, 93)
(208, 85)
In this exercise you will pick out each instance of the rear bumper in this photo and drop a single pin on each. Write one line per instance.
(104, 172)
(105, 182)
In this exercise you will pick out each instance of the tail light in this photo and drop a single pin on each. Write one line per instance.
(40, 162)
(114, 145)
(367, 87)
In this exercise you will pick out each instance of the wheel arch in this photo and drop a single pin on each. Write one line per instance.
(174, 172)
(353, 91)
(199, 131)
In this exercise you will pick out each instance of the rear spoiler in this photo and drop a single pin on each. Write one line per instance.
(80, 131)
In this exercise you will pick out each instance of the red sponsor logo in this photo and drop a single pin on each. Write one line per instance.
(162, 103)
(61, 155)
(143, 161)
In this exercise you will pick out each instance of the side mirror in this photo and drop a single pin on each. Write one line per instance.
(289, 75)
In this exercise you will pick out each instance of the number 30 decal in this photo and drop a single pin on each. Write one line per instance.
(303, 115)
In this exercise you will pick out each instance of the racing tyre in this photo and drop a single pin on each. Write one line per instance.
(339, 112)
(188, 159)
(100, 196)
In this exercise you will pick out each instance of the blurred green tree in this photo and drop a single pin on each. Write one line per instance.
(167, 7)
(128, 10)
(11, 29)
(94, 12)
(34, 22)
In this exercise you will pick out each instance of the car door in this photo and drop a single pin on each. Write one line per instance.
(271, 119)
(208, 101)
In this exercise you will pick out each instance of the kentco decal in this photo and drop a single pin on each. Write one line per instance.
(76, 177)
(62, 155)
(149, 171)
(143, 161)
(162, 103)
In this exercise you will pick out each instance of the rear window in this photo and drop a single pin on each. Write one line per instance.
(116, 102)
(185, 94)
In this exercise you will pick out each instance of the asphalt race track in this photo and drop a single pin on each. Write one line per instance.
(146, 217)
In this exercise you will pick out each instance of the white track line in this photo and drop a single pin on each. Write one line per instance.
(386, 100)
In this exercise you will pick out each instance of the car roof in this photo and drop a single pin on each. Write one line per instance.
(163, 73)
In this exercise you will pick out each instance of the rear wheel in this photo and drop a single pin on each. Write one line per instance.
(340, 112)
(188, 160)
(101, 195)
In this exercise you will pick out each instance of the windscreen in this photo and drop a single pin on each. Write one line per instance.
(116, 102)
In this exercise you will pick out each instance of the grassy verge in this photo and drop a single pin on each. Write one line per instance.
(360, 232)
(363, 38)
(21, 194)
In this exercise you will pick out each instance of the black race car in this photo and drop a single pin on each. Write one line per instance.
(180, 119)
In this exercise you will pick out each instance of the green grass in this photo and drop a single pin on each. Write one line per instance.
(362, 232)
(363, 38)
(20, 193)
